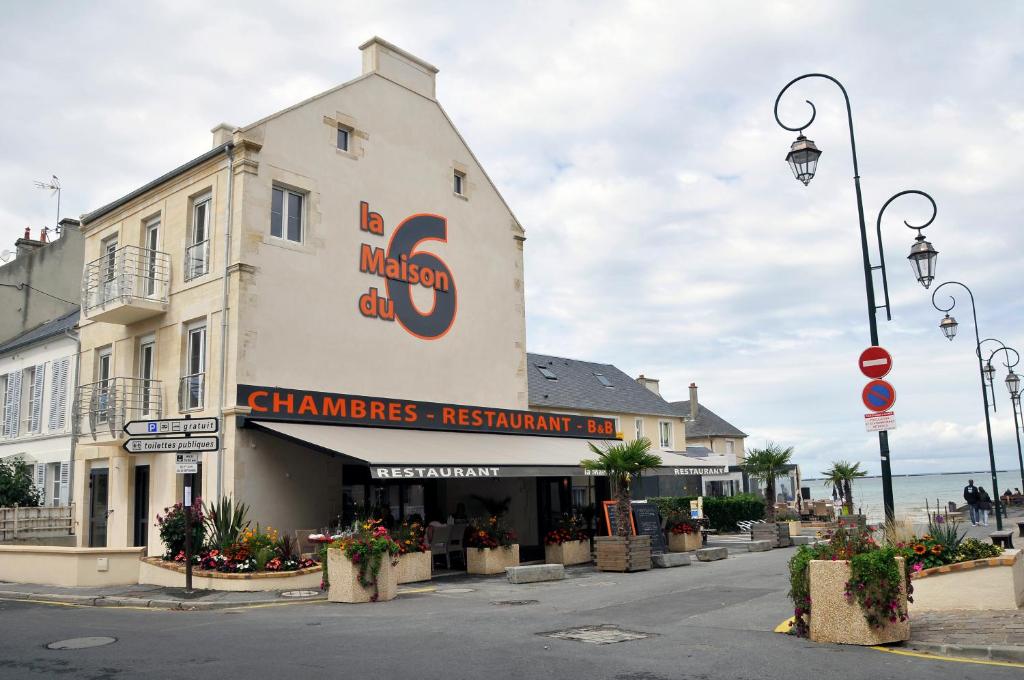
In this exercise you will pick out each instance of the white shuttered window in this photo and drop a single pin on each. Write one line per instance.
(59, 394)
(65, 474)
(35, 399)
(12, 405)
(40, 480)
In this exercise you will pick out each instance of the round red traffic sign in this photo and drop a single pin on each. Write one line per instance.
(878, 396)
(875, 362)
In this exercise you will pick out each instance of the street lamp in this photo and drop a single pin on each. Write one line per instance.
(803, 161)
(950, 323)
(1013, 387)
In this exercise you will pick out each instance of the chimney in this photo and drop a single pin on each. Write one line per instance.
(693, 401)
(27, 244)
(394, 63)
(222, 134)
(649, 383)
(65, 224)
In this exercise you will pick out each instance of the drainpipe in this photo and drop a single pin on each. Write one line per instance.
(229, 150)
(74, 415)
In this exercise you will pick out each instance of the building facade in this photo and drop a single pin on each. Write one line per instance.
(37, 377)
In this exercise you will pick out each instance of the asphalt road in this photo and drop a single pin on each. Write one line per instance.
(703, 621)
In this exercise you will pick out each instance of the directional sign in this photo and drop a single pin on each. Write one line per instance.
(137, 428)
(875, 362)
(879, 396)
(172, 444)
(878, 422)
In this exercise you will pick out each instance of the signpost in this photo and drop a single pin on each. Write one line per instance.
(875, 362)
(171, 444)
(878, 396)
(880, 422)
(179, 426)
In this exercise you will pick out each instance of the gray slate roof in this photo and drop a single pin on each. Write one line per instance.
(41, 332)
(707, 424)
(578, 388)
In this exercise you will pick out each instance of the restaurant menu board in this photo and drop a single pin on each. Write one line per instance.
(611, 518)
(648, 523)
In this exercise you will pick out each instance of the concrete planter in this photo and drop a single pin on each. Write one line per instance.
(413, 567)
(683, 542)
(617, 553)
(491, 560)
(570, 552)
(344, 580)
(795, 528)
(833, 619)
(993, 583)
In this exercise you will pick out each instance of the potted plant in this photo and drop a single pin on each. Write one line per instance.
(766, 465)
(622, 462)
(361, 567)
(414, 559)
(568, 544)
(491, 547)
(840, 477)
(792, 520)
(683, 532)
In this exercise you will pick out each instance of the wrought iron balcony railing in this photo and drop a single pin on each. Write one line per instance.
(197, 260)
(192, 392)
(129, 277)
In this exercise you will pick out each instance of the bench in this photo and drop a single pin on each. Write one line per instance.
(535, 573)
(1003, 538)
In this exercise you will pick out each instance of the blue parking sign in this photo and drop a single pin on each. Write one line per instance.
(151, 427)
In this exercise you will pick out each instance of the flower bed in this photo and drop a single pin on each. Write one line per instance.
(991, 583)
(156, 571)
(568, 544)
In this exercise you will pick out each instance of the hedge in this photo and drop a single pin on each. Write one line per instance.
(722, 512)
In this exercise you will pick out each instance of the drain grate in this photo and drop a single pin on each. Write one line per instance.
(300, 593)
(81, 643)
(598, 635)
(514, 603)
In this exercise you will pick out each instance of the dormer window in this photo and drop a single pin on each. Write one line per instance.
(547, 373)
(603, 380)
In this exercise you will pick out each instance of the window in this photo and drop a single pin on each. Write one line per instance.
(459, 183)
(546, 373)
(286, 214)
(152, 241)
(147, 366)
(603, 380)
(59, 371)
(12, 404)
(665, 432)
(108, 275)
(103, 385)
(639, 425)
(197, 255)
(193, 383)
(730, 446)
(35, 398)
(343, 134)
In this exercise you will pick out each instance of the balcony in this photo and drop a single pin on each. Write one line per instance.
(126, 285)
(102, 408)
(192, 392)
(197, 260)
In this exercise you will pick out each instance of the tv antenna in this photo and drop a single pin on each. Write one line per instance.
(54, 186)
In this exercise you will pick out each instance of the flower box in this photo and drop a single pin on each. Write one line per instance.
(836, 620)
(344, 580)
(414, 566)
(684, 542)
(570, 552)
(795, 528)
(491, 560)
(623, 553)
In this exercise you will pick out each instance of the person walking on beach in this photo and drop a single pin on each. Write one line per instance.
(971, 496)
(984, 505)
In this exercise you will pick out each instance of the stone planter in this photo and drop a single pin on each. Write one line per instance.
(491, 560)
(568, 553)
(795, 528)
(413, 567)
(986, 584)
(618, 553)
(344, 580)
(684, 542)
(833, 619)
(777, 534)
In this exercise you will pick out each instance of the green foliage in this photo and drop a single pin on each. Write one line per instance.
(766, 465)
(225, 522)
(800, 587)
(16, 487)
(973, 549)
(667, 505)
(622, 462)
(172, 528)
(368, 549)
(721, 512)
(840, 476)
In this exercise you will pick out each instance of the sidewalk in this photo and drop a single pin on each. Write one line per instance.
(155, 597)
(992, 635)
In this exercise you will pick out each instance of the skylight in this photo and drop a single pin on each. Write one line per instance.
(603, 380)
(547, 373)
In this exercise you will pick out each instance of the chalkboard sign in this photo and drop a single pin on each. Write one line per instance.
(648, 523)
(611, 518)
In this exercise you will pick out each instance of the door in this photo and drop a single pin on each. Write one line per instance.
(146, 366)
(141, 518)
(152, 241)
(554, 500)
(98, 488)
(109, 274)
(103, 385)
(195, 368)
(198, 251)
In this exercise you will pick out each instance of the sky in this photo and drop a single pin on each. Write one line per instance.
(636, 143)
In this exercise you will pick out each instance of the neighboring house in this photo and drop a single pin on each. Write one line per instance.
(37, 374)
(708, 434)
(571, 386)
(43, 281)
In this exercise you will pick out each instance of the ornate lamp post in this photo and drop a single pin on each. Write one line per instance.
(948, 325)
(1013, 387)
(803, 160)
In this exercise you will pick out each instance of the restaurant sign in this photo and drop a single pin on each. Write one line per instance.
(284, 404)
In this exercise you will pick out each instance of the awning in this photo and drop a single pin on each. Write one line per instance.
(417, 454)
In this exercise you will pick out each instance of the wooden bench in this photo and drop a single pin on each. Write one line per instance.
(1003, 538)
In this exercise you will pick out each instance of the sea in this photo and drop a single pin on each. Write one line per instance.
(913, 494)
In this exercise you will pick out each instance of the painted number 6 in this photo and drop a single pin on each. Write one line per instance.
(436, 321)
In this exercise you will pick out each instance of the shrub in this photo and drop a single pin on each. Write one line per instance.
(569, 529)
(973, 549)
(491, 533)
(225, 522)
(411, 538)
(172, 529)
(721, 512)
(16, 487)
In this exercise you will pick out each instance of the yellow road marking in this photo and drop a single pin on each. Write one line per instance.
(786, 625)
(956, 659)
(72, 604)
(428, 589)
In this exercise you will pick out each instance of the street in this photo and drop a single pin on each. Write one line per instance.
(707, 620)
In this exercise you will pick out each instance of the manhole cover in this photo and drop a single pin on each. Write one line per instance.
(514, 603)
(81, 643)
(300, 593)
(454, 590)
(597, 635)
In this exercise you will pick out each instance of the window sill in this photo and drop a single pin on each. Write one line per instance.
(464, 197)
(347, 154)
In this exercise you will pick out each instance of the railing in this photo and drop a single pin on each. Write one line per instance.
(191, 392)
(35, 522)
(102, 408)
(125, 274)
(197, 260)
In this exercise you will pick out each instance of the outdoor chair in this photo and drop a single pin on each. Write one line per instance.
(439, 536)
(455, 541)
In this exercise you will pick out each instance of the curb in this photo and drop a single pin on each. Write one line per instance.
(137, 602)
(1012, 653)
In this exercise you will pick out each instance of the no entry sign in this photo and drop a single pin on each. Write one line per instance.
(878, 396)
(875, 362)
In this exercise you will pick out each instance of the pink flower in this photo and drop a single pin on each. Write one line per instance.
(918, 566)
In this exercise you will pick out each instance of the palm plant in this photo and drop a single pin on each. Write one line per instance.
(840, 477)
(766, 465)
(226, 521)
(622, 462)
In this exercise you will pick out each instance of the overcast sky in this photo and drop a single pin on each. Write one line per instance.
(635, 142)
